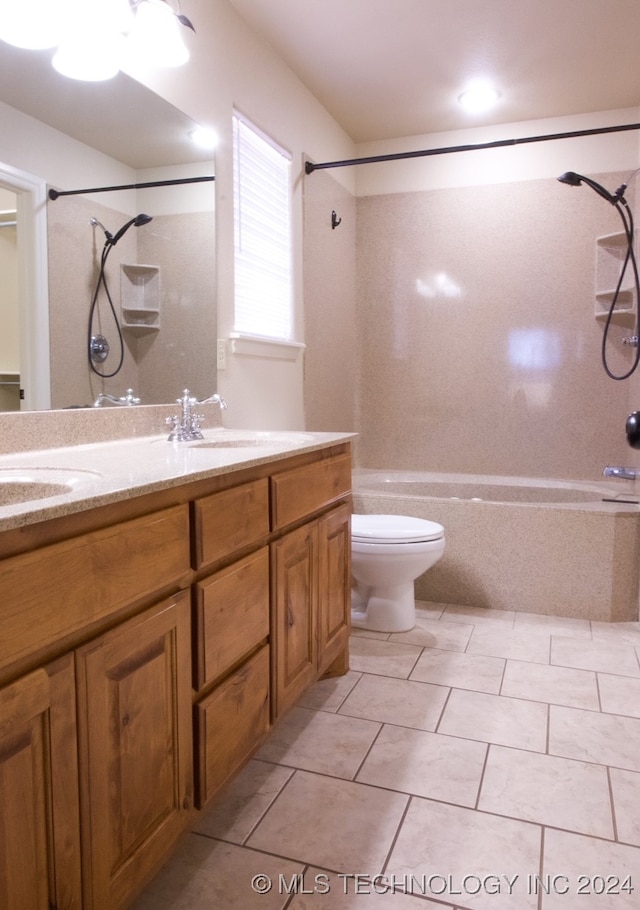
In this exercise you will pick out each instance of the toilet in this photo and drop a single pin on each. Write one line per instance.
(388, 552)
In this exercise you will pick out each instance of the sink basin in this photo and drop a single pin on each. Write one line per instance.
(19, 485)
(253, 440)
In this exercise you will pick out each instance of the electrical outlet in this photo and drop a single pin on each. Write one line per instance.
(222, 354)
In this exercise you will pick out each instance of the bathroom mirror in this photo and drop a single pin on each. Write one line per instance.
(146, 137)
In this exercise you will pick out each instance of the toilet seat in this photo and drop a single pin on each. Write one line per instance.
(393, 529)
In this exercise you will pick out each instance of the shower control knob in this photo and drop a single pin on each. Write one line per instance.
(633, 430)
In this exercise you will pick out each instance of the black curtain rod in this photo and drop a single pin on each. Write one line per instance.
(310, 166)
(53, 194)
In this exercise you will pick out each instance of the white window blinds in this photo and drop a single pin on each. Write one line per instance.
(262, 222)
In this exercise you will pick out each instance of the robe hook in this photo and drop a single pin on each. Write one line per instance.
(335, 221)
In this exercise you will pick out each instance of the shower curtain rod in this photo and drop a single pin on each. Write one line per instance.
(53, 194)
(310, 166)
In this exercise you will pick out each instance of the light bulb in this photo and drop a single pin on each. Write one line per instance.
(33, 24)
(155, 38)
(478, 97)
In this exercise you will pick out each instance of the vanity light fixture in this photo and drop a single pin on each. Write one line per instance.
(96, 38)
(478, 97)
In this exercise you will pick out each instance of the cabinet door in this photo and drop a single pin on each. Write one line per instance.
(134, 725)
(39, 822)
(295, 605)
(334, 596)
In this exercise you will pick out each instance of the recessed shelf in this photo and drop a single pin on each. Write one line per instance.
(140, 298)
(611, 251)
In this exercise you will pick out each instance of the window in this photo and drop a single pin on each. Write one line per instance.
(262, 219)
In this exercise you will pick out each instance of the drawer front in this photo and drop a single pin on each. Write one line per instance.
(57, 590)
(303, 491)
(230, 520)
(230, 724)
(232, 615)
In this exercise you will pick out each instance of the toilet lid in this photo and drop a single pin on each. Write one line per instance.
(394, 529)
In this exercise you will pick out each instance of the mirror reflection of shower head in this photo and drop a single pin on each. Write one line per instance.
(573, 179)
(95, 223)
(138, 221)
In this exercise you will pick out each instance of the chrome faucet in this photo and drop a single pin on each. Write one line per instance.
(186, 425)
(127, 400)
(622, 473)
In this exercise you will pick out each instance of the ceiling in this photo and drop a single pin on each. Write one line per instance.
(394, 68)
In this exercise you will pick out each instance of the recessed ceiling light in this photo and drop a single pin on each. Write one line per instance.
(204, 137)
(478, 97)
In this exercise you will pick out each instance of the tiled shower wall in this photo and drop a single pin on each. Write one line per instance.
(477, 346)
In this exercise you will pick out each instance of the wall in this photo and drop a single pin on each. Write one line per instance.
(478, 346)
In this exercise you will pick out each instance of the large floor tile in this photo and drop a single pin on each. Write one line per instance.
(204, 873)
(239, 807)
(426, 764)
(627, 632)
(335, 824)
(396, 701)
(319, 741)
(576, 868)
(625, 786)
(601, 656)
(431, 633)
(356, 891)
(551, 791)
(496, 719)
(555, 685)
(482, 615)
(554, 625)
(466, 856)
(516, 644)
(328, 694)
(606, 739)
(465, 671)
(386, 658)
(619, 694)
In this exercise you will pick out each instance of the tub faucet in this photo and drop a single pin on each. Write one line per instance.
(186, 425)
(622, 473)
(127, 400)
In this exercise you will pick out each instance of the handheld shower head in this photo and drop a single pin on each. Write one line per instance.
(95, 223)
(138, 221)
(573, 179)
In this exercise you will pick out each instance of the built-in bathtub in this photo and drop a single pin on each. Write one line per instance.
(540, 546)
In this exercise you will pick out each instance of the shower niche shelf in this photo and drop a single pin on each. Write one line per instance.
(611, 251)
(140, 298)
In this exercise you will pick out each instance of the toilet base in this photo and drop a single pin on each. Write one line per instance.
(384, 609)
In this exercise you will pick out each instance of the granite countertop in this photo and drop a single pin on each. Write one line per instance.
(95, 474)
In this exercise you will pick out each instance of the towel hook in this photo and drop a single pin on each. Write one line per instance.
(335, 221)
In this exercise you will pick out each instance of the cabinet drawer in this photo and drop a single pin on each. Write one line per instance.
(230, 520)
(232, 615)
(59, 589)
(302, 491)
(230, 724)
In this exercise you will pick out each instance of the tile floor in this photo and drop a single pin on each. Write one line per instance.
(487, 760)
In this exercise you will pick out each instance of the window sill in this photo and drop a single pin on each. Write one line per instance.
(259, 346)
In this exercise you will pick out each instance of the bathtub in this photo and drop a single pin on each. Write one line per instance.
(539, 546)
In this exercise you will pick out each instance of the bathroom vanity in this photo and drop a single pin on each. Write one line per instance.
(155, 625)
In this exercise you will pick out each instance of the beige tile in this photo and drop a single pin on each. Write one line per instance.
(465, 671)
(455, 613)
(205, 873)
(369, 633)
(396, 701)
(388, 658)
(625, 786)
(442, 846)
(240, 806)
(601, 656)
(619, 694)
(554, 625)
(328, 694)
(335, 824)
(627, 632)
(575, 866)
(518, 644)
(551, 791)
(427, 764)
(319, 741)
(496, 719)
(431, 633)
(429, 610)
(606, 739)
(556, 685)
(355, 891)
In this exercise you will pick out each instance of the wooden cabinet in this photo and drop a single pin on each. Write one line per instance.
(39, 822)
(146, 648)
(134, 719)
